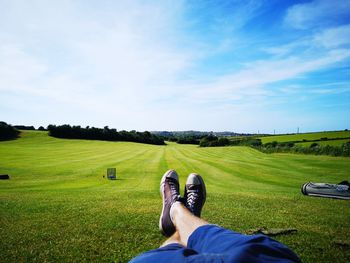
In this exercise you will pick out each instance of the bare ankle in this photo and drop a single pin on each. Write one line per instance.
(174, 239)
(174, 211)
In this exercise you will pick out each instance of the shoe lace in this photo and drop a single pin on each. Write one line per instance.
(174, 190)
(192, 196)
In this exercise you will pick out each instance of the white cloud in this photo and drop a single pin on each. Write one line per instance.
(286, 49)
(68, 54)
(253, 81)
(333, 37)
(318, 42)
(317, 13)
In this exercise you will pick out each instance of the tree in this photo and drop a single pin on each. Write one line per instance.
(207, 141)
(7, 132)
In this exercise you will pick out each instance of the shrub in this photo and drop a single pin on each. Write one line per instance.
(251, 142)
(346, 148)
(290, 144)
(314, 148)
(208, 141)
(7, 132)
(212, 141)
(188, 140)
(271, 144)
(313, 145)
(223, 141)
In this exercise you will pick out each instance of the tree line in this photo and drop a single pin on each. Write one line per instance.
(28, 128)
(7, 131)
(195, 137)
(24, 127)
(91, 133)
(185, 139)
(214, 141)
(278, 147)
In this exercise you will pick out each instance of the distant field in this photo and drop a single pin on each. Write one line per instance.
(306, 136)
(58, 207)
(324, 143)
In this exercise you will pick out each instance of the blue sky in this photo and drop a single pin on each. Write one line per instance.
(243, 66)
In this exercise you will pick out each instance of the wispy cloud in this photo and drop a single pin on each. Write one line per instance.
(255, 78)
(317, 13)
(334, 37)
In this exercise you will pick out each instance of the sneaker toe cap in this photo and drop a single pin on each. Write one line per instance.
(171, 174)
(193, 179)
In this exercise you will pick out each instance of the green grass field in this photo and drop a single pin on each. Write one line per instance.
(324, 143)
(58, 207)
(306, 136)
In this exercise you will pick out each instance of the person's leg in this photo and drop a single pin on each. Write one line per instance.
(174, 239)
(170, 253)
(169, 189)
(195, 194)
(185, 222)
(185, 215)
(237, 247)
(197, 234)
(172, 250)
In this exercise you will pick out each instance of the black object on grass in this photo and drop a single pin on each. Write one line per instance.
(4, 176)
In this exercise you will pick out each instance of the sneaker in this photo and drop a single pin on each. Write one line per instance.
(169, 189)
(195, 194)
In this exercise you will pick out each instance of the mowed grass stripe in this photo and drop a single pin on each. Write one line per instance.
(214, 176)
(242, 171)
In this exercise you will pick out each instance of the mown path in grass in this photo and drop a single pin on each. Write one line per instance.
(58, 207)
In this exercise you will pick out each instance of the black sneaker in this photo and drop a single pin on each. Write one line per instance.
(169, 189)
(195, 194)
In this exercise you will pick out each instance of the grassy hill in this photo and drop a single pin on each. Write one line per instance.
(58, 207)
(339, 135)
(324, 143)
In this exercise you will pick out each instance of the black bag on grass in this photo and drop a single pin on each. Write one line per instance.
(338, 191)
